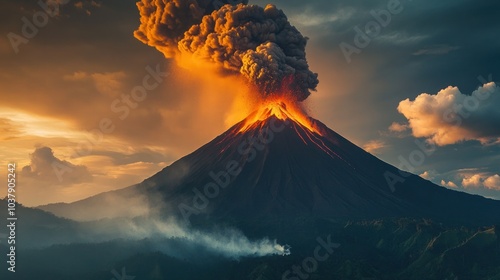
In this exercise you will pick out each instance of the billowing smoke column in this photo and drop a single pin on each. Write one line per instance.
(256, 43)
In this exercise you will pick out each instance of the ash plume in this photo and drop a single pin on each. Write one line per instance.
(255, 43)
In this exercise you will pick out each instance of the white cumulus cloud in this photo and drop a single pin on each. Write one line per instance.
(450, 116)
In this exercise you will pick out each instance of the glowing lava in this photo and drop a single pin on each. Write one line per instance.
(282, 110)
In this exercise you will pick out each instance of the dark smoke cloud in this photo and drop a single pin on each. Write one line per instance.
(257, 43)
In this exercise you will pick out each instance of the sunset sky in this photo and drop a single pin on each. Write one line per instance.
(63, 93)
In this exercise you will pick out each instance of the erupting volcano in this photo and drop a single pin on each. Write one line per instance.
(280, 163)
(275, 193)
(277, 163)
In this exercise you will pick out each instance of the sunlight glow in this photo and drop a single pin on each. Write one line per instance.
(35, 125)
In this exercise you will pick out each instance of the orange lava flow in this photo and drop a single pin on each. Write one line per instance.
(281, 109)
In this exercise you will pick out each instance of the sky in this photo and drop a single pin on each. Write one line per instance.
(86, 108)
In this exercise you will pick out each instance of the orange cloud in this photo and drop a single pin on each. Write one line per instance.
(374, 146)
(397, 127)
(450, 117)
(427, 175)
(481, 180)
(449, 184)
(107, 83)
(474, 181)
(492, 182)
